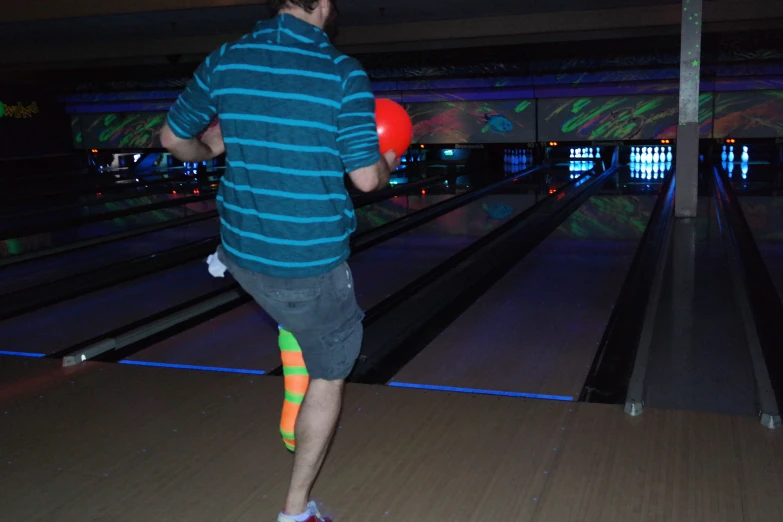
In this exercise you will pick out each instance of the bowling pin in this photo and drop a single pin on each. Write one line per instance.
(598, 153)
(745, 154)
(669, 156)
(656, 156)
(724, 156)
(731, 153)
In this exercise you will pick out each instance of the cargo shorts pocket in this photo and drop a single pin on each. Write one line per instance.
(293, 297)
(341, 282)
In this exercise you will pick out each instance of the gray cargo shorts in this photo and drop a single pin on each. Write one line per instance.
(320, 311)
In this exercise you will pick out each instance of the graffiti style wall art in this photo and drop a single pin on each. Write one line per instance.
(76, 132)
(122, 130)
(32, 123)
(607, 118)
(502, 121)
(756, 114)
(705, 119)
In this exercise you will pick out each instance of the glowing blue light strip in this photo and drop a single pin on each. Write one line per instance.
(22, 354)
(481, 392)
(193, 367)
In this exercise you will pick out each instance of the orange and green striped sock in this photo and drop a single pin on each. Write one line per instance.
(296, 381)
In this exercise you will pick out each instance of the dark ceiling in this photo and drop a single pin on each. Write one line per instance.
(239, 19)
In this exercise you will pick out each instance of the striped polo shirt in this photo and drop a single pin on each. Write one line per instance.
(296, 115)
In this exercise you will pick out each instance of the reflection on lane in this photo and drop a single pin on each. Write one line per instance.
(760, 193)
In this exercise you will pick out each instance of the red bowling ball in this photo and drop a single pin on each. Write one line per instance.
(395, 130)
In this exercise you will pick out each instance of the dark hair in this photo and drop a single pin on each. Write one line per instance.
(308, 5)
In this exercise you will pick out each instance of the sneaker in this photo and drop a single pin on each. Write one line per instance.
(315, 515)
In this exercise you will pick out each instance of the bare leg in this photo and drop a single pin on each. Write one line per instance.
(314, 431)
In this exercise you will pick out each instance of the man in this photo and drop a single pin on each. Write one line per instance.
(295, 114)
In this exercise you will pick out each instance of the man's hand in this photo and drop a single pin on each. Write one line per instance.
(375, 177)
(213, 138)
(392, 160)
(206, 147)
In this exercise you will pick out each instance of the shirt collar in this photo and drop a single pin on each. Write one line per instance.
(291, 29)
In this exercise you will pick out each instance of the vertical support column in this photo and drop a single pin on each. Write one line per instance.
(686, 190)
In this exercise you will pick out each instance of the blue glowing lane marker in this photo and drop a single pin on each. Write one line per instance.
(22, 354)
(193, 367)
(481, 392)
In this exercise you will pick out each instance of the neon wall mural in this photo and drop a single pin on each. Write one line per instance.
(745, 114)
(608, 118)
(32, 123)
(137, 130)
(18, 110)
(502, 121)
(757, 114)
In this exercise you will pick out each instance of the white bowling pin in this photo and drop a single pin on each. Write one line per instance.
(669, 156)
(745, 154)
(724, 155)
(731, 153)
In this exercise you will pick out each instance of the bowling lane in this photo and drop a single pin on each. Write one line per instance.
(59, 326)
(107, 196)
(535, 332)
(246, 338)
(48, 269)
(45, 240)
(760, 195)
(36, 272)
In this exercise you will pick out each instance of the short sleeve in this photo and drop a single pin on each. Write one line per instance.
(358, 134)
(195, 108)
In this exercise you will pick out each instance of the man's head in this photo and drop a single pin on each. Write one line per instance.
(320, 13)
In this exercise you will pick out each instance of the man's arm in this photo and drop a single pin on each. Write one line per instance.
(358, 134)
(209, 145)
(376, 176)
(183, 134)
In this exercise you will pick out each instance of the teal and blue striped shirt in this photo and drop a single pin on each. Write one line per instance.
(296, 114)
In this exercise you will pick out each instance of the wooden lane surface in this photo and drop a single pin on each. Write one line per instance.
(123, 443)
